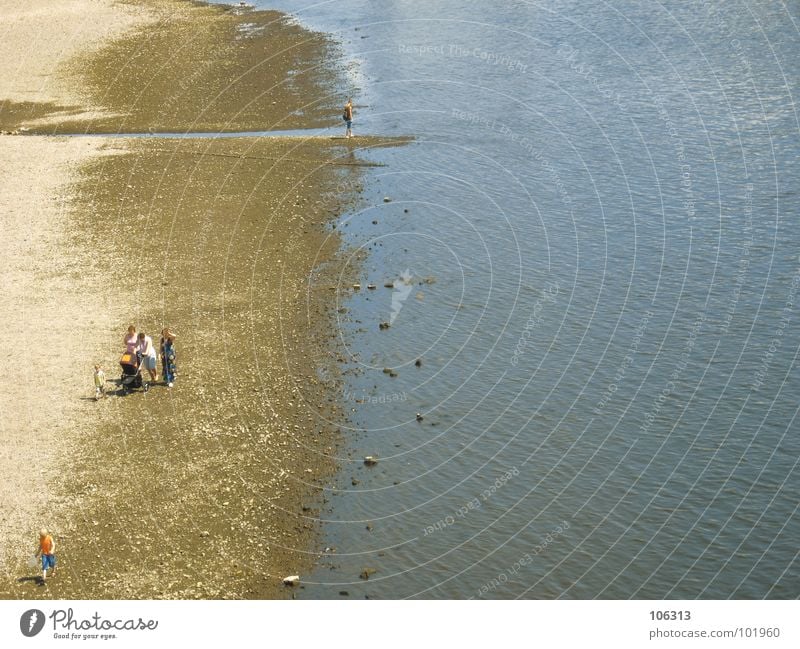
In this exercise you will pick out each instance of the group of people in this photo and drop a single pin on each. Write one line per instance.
(142, 345)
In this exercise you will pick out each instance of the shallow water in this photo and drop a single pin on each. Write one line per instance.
(191, 135)
(594, 242)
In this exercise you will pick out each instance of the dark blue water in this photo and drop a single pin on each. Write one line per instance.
(594, 245)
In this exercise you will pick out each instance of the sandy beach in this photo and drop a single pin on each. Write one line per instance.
(50, 311)
(208, 489)
(163, 66)
(48, 304)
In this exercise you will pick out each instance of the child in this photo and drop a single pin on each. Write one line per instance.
(47, 548)
(99, 382)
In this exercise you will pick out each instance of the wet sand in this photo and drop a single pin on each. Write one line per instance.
(208, 489)
(186, 67)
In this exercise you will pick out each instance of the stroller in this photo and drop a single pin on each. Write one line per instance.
(132, 372)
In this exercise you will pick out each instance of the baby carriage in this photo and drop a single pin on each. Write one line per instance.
(131, 372)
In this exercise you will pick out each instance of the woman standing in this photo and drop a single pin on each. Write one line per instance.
(130, 340)
(167, 347)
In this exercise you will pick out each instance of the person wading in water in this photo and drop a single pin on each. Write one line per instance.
(347, 116)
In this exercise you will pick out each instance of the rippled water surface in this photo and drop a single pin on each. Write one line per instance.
(594, 246)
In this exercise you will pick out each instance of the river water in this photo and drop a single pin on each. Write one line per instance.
(594, 246)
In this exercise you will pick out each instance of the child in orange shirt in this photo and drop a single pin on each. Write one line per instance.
(47, 548)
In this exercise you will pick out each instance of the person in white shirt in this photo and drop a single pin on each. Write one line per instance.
(148, 353)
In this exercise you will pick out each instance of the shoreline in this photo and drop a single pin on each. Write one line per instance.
(210, 489)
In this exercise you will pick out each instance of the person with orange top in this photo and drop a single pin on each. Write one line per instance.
(47, 548)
